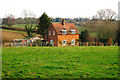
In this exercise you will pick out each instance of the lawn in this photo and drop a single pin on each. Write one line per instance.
(22, 25)
(60, 62)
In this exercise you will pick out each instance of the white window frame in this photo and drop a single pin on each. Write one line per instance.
(73, 43)
(64, 31)
(73, 31)
(53, 32)
(65, 42)
(49, 32)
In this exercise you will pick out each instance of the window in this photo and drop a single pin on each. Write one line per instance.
(53, 32)
(73, 32)
(49, 32)
(73, 42)
(64, 42)
(51, 41)
(64, 32)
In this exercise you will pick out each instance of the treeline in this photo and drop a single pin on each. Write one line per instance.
(100, 31)
(10, 20)
(76, 21)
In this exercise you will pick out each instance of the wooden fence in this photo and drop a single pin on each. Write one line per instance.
(49, 44)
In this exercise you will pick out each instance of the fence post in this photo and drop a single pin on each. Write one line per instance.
(5, 44)
(30, 44)
(96, 44)
(80, 44)
(110, 44)
(99, 44)
(41, 43)
(86, 43)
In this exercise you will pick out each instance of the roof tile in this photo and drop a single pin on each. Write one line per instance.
(68, 26)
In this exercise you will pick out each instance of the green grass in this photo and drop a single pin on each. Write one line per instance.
(60, 62)
(13, 30)
(20, 26)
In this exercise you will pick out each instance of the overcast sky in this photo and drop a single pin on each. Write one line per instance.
(57, 8)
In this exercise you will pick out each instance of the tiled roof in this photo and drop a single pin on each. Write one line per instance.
(68, 26)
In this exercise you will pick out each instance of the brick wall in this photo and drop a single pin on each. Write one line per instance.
(52, 37)
(68, 39)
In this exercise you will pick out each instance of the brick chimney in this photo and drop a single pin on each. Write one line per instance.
(63, 21)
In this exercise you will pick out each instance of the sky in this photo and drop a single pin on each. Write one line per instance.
(57, 8)
(119, 10)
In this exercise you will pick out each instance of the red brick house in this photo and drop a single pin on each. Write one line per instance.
(62, 34)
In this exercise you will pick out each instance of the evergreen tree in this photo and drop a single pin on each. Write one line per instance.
(84, 35)
(44, 23)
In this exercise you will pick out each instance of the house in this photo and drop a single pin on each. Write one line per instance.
(62, 34)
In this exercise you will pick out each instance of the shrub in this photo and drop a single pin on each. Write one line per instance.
(39, 42)
(48, 44)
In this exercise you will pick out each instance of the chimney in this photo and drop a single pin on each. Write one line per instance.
(63, 21)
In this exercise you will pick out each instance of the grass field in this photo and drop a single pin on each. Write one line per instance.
(60, 62)
(19, 26)
(22, 25)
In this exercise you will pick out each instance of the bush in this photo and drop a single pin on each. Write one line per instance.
(39, 42)
(103, 40)
(84, 35)
(48, 44)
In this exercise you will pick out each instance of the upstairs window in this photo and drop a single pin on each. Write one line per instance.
(72, 31)
(53, 32)
(49, 32)
(64, 31)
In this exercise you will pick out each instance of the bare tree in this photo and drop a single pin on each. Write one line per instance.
(29, 20)
(19, 21)
(103, 29)
(9, 20)
(105, 14)
(104, 25)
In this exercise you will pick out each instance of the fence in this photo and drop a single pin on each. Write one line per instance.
(97, 44)
(19, 44)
